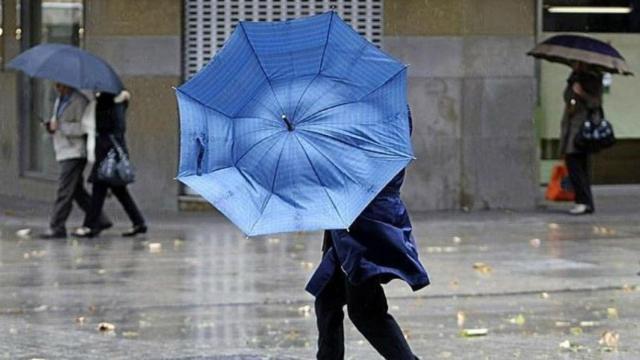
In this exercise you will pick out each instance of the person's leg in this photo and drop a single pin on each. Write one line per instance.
(70, 175)
(84, 201)
(98, 195)
(329, 317)
(579, 176)
(130, 207)
(588, 175)
(368, 310)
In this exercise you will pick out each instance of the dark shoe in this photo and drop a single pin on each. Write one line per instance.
(85, 232)
(53, 235)
(137, 229)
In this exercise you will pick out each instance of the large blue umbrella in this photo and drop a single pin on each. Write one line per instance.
(566, 49)
(294, 126)
(68, 65)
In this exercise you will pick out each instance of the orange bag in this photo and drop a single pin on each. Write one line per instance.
(559, 188)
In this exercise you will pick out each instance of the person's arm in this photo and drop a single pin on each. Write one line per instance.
(70, 123)
(591, 101)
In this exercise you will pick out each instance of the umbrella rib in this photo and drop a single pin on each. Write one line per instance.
(273, 185)
(315, 172)
(394, 152)
(355, 59)
(312, 117)
(344, 173)
(324, 50)
(203, 104)
(264, 72)
(256, 144)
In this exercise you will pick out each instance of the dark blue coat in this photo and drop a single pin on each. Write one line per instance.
(378, 244)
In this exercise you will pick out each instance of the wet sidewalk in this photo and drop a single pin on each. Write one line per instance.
(543, 284)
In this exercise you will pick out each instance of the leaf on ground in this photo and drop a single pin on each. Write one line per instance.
(544, 295)
(474, 332)
(155, 247)
(130, 334)
(609, 340)
(482, 268)
(535, 243)
(568, 345)
(612, 313)
(24, 233)
(461, 318)
(588, 323)
(106, 327)
(563, 324)
(518, 320)
(80, 320)
(576, 330)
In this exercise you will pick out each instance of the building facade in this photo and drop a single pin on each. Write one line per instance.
(472, 91)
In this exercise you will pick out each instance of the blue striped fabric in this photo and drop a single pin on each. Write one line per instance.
(348, 132)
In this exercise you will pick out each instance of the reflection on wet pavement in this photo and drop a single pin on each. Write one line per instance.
(194, 289)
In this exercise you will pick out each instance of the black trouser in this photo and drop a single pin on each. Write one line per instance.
(70, 188)
(367, 309)
(121, 193)
(579, 166)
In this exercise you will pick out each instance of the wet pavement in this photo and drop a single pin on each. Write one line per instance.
(545, 286)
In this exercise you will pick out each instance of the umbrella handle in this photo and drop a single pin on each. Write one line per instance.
(286, 120)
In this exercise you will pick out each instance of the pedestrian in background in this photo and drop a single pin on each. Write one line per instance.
(583, 100)
(377, 248)
(69, 142)
(110, 132)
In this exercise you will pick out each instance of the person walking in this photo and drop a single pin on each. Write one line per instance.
(69, 142)
(110, 128)
(583, 100)
(377, 248)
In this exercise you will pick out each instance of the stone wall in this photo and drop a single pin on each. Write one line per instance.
(472, 93)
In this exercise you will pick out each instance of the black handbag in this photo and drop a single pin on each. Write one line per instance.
(116, 169)
(593, 137)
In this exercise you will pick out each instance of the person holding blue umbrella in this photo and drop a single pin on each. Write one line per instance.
(303, 125)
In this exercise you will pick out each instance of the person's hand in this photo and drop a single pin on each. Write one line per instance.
(577, 88)
(52, 126)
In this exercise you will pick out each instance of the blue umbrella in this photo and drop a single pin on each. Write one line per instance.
(294, 126)
(68, 65)
(566, 49)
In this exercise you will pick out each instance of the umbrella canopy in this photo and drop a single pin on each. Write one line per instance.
(294, 126)
(68, 65)
(566, 49)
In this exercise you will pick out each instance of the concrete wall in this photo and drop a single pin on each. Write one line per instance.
(472, 93)
(142, 40)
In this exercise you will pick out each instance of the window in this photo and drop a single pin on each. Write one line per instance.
(604, 16)
(44, 21)
(208, 23)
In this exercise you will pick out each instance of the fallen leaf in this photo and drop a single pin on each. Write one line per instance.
(544, 295)
(629, 288)
(155, 247)
(535, 243)
(273, 240)
(41, 308)
(518, 320)
(576, 330)
(304, 310)
(457, 240)
(102, 271)
(130, 334)
(106, 327)
(474, 332)
(612, 313)
(563, 324)
(610, 340)
(177, 243)
(24, 233)
(554, 226)
(461, 318)
(80, 320)
(482, 268)
(588, 323)
(307, 265)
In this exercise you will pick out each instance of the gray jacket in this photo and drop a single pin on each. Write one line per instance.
(578, 109)
(69, 141)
